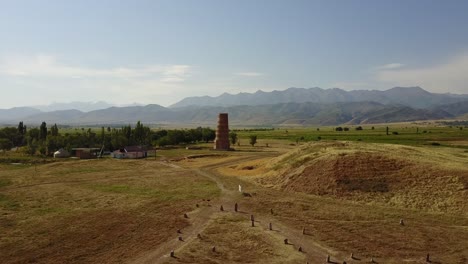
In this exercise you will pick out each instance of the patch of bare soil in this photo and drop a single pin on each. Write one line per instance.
(364, 172)
(235, 241)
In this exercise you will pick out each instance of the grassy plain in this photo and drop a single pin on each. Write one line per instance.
(415, 134)
(129, 211)
(100, 211)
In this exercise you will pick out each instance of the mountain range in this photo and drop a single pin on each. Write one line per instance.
(293, 106)
(415, 97)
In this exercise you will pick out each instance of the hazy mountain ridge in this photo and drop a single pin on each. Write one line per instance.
(352, 108)
(415, 97)
(16, 113)
(75, 105)
(245, 115)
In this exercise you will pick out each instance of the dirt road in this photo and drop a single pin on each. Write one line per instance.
(203, 216)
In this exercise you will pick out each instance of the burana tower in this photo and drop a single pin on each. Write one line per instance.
(222, 133)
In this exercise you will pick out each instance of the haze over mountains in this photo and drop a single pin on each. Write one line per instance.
(289, 107)
(411, 96)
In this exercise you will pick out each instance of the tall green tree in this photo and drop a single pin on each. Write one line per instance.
(43, 131)
(54, 130)
(21, 133)
(253, 140)
(233, 137)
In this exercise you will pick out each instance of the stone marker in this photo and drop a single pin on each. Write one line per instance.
(221, 208)
(270, 226)
(235, 207)
(185, 216)
(172, 254)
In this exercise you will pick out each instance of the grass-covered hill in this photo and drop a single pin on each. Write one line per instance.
(424, 178)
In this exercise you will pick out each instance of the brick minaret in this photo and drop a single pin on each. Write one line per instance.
(222, 133)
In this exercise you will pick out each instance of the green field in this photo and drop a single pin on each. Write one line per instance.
(407, 135)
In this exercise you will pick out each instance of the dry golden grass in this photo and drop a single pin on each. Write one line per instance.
(101, 211)
(107, 211)
(428, 178)
(430, 195)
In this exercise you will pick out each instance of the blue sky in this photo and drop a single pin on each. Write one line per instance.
(162, 51)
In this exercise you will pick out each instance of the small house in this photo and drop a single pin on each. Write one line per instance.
(130, 152)
(86, 153)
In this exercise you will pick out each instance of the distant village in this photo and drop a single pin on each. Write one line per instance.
(124, 142)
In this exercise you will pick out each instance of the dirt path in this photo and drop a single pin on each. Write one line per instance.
(201, 218)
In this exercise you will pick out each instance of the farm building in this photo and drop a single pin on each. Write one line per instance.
(85, 153)
(61, 153)
(130, 152)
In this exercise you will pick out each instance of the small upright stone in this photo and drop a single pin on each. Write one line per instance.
(402, 222)
(235, 207)
(213, 249)
(172, 254)
(286, 241)
(300, 249)
(303, 231)
(270, 226)
(185, 216)
(221, 208)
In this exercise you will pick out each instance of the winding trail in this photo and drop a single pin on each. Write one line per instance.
(202, 217)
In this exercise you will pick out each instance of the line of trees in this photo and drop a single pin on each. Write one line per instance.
(45, 140)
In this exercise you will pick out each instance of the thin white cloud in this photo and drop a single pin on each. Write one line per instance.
(451, 75)
(45, 78)
(48, 66)
(390, 66)
(249, 74)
